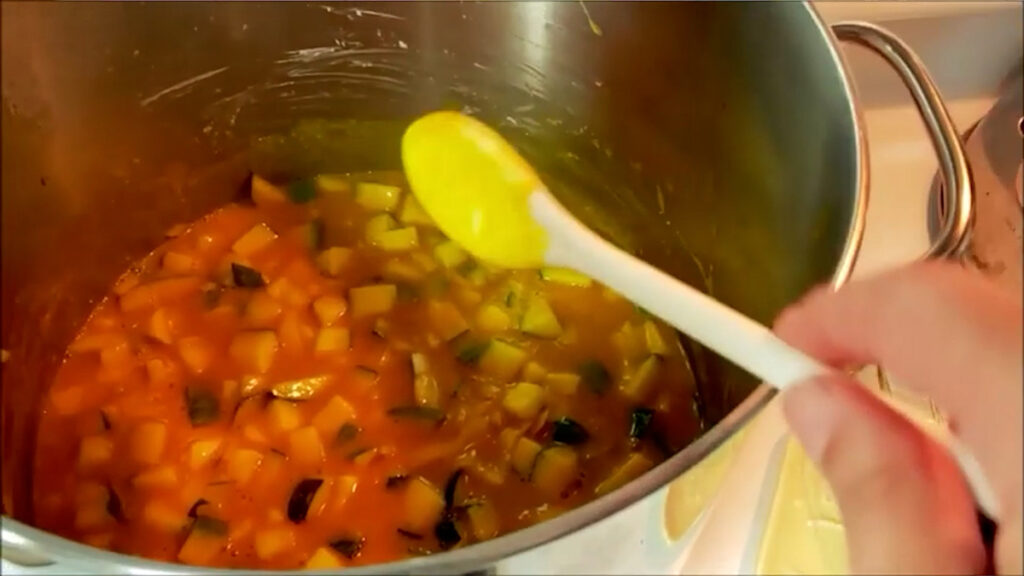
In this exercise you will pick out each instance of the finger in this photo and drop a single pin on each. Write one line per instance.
(903, 503)
(949, 334)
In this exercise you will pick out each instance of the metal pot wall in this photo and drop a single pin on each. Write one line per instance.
(719, 141)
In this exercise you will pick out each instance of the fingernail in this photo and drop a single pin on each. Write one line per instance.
(811, 408)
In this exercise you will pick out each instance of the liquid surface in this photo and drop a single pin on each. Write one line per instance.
(320, 378)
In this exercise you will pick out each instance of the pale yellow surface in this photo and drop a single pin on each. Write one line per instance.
(804, 532)
(476, 188)
(689, 494)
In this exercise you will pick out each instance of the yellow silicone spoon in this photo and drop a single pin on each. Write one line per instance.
(486, 197)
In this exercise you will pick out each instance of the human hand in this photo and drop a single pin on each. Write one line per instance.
(954, 337)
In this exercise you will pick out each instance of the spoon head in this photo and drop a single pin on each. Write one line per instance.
(476, 188)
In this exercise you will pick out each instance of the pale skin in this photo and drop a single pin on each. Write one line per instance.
(947, 333)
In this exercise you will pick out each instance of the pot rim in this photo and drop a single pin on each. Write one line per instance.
(53, 548)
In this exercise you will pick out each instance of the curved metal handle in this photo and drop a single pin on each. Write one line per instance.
(958, 189)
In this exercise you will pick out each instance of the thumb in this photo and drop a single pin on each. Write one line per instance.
(904, 504)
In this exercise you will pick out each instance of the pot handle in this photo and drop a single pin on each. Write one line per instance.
(958, 185)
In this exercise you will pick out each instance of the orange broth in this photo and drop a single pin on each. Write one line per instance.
(238, 400)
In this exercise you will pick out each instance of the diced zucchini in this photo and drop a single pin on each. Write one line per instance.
(632, 468)
(372, 300)
(511, 295)
(377, 197)
(330, 419)
(470, 350)
(378, 225)
(568, 431)
(446, 319)
(202, 405)
(300, 388)
(507, 439)
(262, 310)
(159, 477)
(305, 447)
(399, 240)
(595, 376)
(301, 191)
(323, 558)
(311, 234)
(539, 319)
(492, 318)
(295, 333)
(329, 308)
(289, 292)
(264, 193)
(421, 413)
(413, 213)
(363, 456)
(450, 254)
(638, 385)
(160, 326)
(405, 292)
(365, 374)
(534, 372)
(301, 497)
(242, 464)
(640, 420)
(477, 276)
(424, 504)
(204, 542)
(563, 383)
(629, 341)
(555, 468)
(425, 388)
(401, 271)
(333, 339)
(502, 360)
(163, 516)
(420, 364)
(424, 261)
(331, 184)
(524, 400)
(319, 502)
(159, 292)
(97, 342)
(333, 260)
(148, 442)
(272, 542)
(94, 451)
(426, 391)
(254, 351)
(349, 546)
(202, 452)
(196, 352)
(284, 416)
(483, 520)
(565, 276)
(257, 238)
(655, 343)
(180, 263)
(447, 533)
(524, 454)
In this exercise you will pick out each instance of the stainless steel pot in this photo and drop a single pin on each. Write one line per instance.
(719, 141)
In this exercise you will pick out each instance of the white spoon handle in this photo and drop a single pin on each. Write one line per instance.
(739, 339)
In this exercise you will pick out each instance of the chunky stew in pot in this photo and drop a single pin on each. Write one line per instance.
(319, 379)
